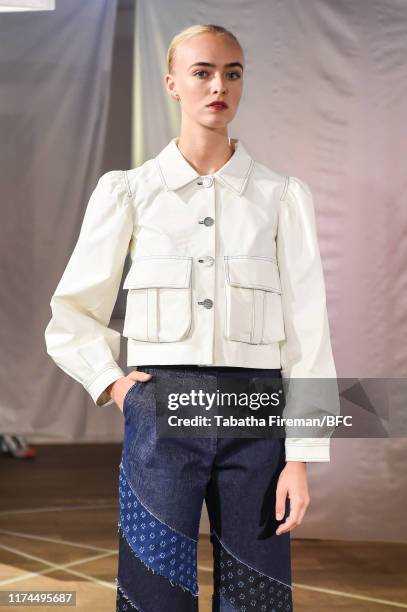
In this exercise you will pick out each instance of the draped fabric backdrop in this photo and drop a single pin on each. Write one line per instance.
(324, 90)
(55, 83)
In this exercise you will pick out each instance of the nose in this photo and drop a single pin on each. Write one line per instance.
(219, 85)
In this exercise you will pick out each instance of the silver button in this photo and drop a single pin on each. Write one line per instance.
(207, 260)
(208, 221)
(205, 181)
(207, 303)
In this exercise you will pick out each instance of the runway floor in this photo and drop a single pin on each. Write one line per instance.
(58, 532)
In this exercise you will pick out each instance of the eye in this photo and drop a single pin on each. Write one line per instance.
(236, 74)
(199, 72)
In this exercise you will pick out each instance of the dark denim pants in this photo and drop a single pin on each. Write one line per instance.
(162, 485)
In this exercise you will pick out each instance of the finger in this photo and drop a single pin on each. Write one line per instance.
(281, 495)
(144, 376)
(290, 522)
(139, 375)
(303, 510)
(296, 516)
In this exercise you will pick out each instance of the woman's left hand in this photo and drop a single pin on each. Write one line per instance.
(292, 482)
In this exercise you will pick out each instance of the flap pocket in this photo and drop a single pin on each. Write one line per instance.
(159, 299)
(252, 272)
(159, 271)
(253, 312)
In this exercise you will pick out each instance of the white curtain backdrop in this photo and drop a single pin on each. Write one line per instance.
(324, 90)
(55, 80)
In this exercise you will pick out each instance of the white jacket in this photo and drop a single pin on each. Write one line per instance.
(225, 271)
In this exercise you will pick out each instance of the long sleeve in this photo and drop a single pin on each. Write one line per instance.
(77, 337)
(307, 362)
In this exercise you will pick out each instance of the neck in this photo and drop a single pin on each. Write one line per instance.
(206, 152)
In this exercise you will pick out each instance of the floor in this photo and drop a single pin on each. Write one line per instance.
(58, 530)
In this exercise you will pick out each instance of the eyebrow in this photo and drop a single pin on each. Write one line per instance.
(230, 65)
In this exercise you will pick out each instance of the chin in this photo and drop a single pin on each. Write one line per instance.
(218, 121)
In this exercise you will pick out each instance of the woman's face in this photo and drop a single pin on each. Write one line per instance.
(207, 67)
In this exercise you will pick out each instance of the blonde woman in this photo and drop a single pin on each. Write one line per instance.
(225, 289)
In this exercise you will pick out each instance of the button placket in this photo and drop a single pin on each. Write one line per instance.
(207, 259)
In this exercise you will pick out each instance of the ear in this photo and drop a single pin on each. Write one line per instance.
(170, 85)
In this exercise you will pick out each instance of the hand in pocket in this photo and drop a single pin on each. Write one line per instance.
(118, 390)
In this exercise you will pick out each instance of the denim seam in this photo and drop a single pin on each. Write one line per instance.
(123, 592)
(150, 511)
(246, 564)
(174, 584)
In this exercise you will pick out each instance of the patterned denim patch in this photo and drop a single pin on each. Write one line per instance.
(166, 551)
(147, 590)
(245, 588)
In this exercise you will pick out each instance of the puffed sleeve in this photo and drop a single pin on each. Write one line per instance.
(306, 352)
(77, 337)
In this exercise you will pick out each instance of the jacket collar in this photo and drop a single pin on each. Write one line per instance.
(176, 171)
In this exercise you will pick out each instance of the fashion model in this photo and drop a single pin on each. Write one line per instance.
(225, 282)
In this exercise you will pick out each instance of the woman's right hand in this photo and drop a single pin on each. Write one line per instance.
(119, 388)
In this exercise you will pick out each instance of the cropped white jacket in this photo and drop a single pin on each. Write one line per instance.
(225, 271)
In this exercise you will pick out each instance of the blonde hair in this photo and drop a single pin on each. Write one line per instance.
(191, 31)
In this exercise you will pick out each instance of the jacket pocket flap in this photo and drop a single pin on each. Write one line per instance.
(252, 272)
(159, 271)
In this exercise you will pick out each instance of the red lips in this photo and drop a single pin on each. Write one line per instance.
(220, 103)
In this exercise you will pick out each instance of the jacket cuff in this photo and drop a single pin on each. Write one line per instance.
(311, 451)
(98, 385)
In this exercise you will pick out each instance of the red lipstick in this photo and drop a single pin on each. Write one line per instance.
(218, 105)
